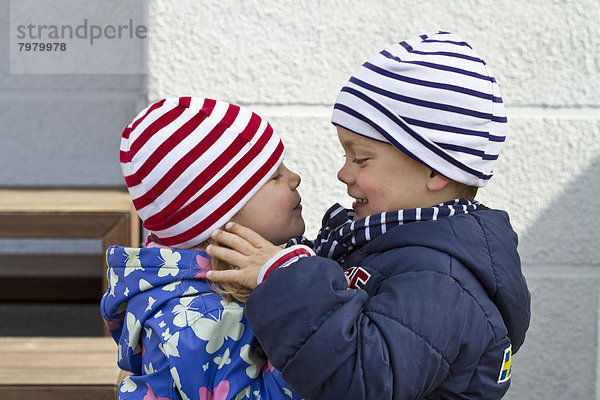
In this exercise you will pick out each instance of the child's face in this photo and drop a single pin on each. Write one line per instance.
(275, 211)
(380, 177)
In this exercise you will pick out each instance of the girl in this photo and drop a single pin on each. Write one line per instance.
(191, 165)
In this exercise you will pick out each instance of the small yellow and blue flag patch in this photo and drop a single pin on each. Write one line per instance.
(506, 368)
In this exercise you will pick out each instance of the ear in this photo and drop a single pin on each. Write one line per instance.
(437, 181)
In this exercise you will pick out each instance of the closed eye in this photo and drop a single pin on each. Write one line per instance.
(359, 160)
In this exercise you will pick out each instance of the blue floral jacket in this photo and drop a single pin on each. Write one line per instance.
(179, 338)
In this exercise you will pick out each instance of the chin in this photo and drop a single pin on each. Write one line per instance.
(300, 232)
(297, 232)
(298, 226)
(358, 215)
(301, 229)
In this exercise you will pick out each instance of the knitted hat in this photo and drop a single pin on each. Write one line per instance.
(191, 163)
(434, 99)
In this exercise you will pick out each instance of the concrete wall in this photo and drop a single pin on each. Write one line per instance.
(287, 60)
(62, 130)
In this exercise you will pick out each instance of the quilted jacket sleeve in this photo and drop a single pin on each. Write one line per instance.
(333, 343)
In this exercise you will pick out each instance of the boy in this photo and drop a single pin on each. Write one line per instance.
(442, 304)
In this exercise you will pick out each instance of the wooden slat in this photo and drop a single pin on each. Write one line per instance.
(51, 266)
(116, 236)
(87, 374)
(51, 290)
(51, 278)
(29, 361)
(118, 233)
(86, 201)
(58, 392)
(51, 345)
(45, 225)
(36, 213)
(58, 362)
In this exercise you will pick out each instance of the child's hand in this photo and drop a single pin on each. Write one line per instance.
(247, 250)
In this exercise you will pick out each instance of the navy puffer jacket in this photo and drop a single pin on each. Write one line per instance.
(440, 304)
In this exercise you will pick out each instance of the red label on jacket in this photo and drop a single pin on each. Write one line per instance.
(358, 277)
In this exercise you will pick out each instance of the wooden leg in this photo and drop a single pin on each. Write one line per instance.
(119, 235)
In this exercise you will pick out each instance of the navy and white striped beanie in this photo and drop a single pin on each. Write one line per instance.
(434, 99)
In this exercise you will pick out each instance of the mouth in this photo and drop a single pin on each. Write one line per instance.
(298, 206)
(358, 203)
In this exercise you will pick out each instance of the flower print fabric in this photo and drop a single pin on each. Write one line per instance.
(179, 338)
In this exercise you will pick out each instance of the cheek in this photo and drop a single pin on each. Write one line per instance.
(369, 183)
(275, 210)
(382, 191)
(282, 198)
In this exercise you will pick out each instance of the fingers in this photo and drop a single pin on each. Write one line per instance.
(230, 256)
(244, 248)
(245, 276)
(232, 276)
(232, 241)
(248, 234)
(226, 276)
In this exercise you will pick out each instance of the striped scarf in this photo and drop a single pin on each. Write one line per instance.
(340, 235)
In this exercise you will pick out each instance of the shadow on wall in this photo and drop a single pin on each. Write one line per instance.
(559, 357)
(567, 232)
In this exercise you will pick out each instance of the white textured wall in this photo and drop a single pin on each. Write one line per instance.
(288, 59)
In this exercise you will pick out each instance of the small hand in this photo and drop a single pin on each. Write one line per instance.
(246, 249)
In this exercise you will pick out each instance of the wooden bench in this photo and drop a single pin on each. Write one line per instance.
(67, 368)
(102, 214)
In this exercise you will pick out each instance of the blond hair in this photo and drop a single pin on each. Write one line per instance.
(229, 291)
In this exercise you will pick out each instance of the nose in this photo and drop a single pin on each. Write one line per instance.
(292, 177)
(344, 175)
(294, 180)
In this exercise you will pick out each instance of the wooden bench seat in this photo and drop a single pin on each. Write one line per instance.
(108, 215)
(60, 280)
(67, 368)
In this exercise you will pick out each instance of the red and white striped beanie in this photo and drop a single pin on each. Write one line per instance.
(434, 99)
(192, 163)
